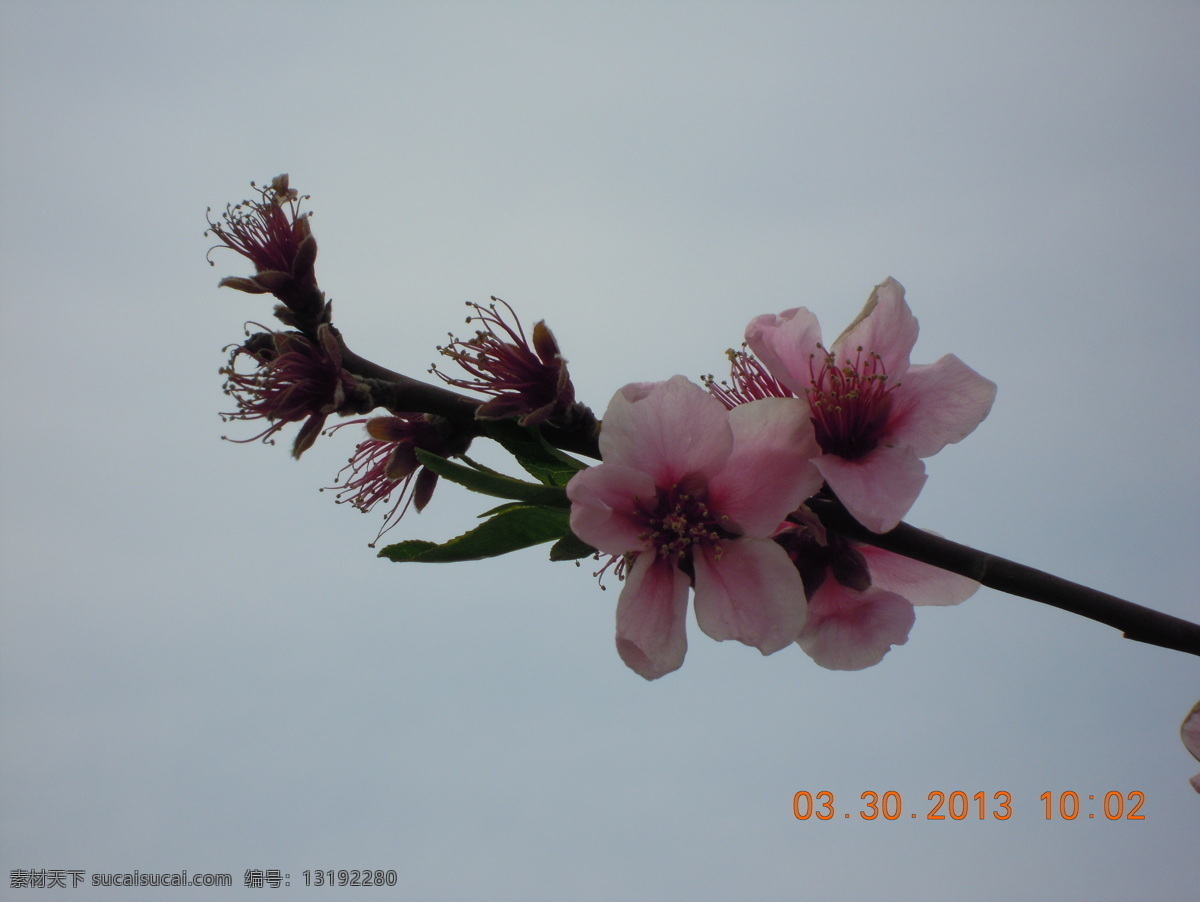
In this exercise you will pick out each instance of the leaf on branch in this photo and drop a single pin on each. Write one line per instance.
(501, 508)
(510, 530)
(570, 548)
(489, 482)
(540, 459)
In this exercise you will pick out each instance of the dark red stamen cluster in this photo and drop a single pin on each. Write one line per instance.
(749, 381)
(850, 402)
(526, 380)
(386, 464)
(677, 521)
(293, 379)
(620, 564)
(267, 231)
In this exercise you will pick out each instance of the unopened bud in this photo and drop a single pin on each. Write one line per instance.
(306, 256)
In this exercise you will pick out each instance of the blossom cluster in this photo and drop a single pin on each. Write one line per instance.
(767, 499)
(703, 492)
(707, 491)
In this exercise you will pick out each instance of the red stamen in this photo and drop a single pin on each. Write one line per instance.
(850, 403)
(499, 361)
(750, 381)
(267, 231)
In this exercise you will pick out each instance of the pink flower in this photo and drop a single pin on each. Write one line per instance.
(860, 598)
(693, 493)
(852, 630)
(851, 624)
(874, 414)
(1190, 731)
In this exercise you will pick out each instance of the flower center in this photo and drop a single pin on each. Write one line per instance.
(850, 402)
(678, 522)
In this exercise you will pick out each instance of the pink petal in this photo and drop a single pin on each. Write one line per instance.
(886, 326)
(651, 617)
(938, 404)
(850, 630)
(636, 391)
(787, 344)
(878, 489)
(668, 429)
(1190, 732)
(769, 473)
(604, 507)
(921, 584)
(749, 591)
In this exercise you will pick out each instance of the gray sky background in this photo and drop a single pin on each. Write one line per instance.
(203, 666)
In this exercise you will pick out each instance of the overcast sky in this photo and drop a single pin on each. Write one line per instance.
(204, 667)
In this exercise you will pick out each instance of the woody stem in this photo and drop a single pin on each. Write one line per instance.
(1136, 622)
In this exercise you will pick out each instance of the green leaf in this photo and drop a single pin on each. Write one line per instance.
(570, 548)
(410, 550)
(510, 530)
(541, 460)
(489, 482)
(501, 508)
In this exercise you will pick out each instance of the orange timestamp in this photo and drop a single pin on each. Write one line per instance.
(960, 806)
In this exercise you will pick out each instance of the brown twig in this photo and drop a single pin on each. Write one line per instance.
(1136, 622)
